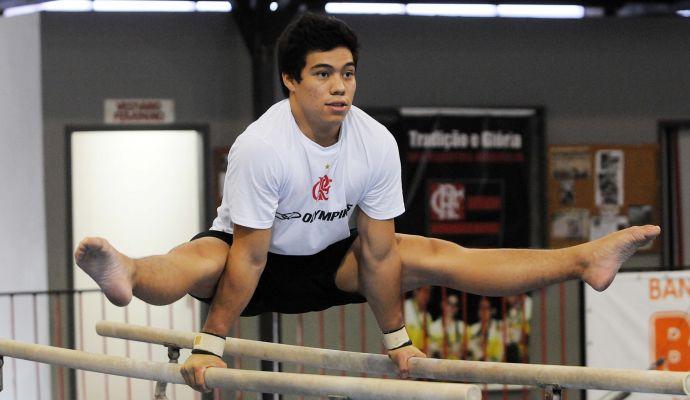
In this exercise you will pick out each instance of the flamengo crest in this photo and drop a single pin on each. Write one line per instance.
(321, 188)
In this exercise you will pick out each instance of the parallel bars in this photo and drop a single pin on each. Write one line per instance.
(628, 380)
(256, 381)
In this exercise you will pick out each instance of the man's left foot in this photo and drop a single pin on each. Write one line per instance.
(604, 256)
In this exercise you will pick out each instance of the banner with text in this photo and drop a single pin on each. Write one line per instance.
(470, 176)
(467, 174)
(642, 321)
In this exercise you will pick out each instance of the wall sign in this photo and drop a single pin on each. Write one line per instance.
(139, 111)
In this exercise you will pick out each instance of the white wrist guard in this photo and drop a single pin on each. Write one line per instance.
(396, 339)
(206, 343)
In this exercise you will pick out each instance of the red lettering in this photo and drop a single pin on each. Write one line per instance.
(654, 291)
(684, 287)
(669, 289)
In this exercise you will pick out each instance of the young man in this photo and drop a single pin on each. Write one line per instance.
(282, 241)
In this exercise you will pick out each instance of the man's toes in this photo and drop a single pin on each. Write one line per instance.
(80, 253)
(653, 231)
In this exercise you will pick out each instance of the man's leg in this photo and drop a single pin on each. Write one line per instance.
(502, 272)
(192, 267)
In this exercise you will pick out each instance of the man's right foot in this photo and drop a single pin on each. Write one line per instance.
(111, 269)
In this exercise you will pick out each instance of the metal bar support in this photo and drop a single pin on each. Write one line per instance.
(552, 392)
(173, 356)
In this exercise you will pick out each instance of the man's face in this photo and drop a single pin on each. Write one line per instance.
(450, 307)
(485, 310)
(328, 85)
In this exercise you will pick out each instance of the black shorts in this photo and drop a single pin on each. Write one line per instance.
(297, 284)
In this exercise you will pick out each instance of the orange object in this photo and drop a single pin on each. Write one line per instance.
(670, 339)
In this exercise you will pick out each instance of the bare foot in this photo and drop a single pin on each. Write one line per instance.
(603, 257)
(111, 269)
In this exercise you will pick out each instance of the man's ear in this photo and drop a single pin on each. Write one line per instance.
(288, 81)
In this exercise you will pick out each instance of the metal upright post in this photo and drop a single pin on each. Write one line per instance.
(553, 392)
(173, 356)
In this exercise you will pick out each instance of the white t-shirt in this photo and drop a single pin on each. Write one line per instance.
(279, 178)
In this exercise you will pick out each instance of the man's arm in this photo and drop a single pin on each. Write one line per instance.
(380, 281)
(246, 262)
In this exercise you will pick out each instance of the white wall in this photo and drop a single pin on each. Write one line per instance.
(22, 230)
(23, 261)
(143, 191)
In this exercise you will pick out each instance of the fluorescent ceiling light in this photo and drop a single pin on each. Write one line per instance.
(683, 13)
(121, 6)
(143, 6)
(57, 5)
(441, 9)
(67, 5)
(452, 10)
(460, 10)
(213, 6)
(540, 11)
(21, 10)
(365, 8)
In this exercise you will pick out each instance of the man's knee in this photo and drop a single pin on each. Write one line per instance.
(206, 252)
(208, 256)
(415, 246)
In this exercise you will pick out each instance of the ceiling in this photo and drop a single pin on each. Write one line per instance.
(616, 8)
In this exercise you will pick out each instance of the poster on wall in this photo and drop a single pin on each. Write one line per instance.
(642, 321)
(594, 190)
(446, 323)
(567, 167)
(609, 178)
(470, 176)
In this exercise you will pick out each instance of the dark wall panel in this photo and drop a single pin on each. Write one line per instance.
(600, 80)
(199, 60)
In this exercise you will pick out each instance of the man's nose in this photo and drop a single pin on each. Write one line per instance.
(338, 86)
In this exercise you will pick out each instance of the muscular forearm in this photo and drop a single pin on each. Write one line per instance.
(380, 280)
(246, 261)
(235, 289)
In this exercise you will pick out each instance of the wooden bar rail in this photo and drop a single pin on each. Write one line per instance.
(256, 381)
(574, 377)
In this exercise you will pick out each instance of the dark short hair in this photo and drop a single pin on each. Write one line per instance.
(311, 32)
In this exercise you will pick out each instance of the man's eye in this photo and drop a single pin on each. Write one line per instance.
(349, 74)
(322, 74)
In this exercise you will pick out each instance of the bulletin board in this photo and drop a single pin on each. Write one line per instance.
(594, 190)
